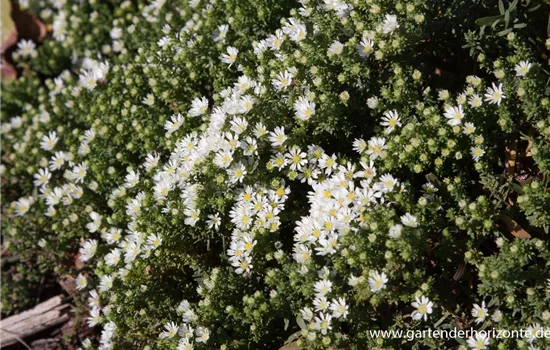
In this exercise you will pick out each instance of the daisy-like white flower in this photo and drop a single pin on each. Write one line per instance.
(88, 249)
(154, 241)
(365, 47)
(336, 48)
(480, 312)
(339, 308)
(477, 153)
(175, 122)
(113, 257)
(231, 56)
(277, 137)
(390, 24)
(478, 342)
(132, 179)
(199, 106)
(283, 80)
(522, 68)
(79, 172)
(93, 319)
(534, 331)
(390, 121)
(454, 115)
(49, 141)
(377, 281)
(304, 108)
(22, 206)
(203, 334)
(214, 221)
(81, 282)
(469, 128)
(26, 48)
(444, 95)
(423, 308)
(323, 323)
(494, 94)
(475, 101)
(395, 231)
(94, 225)
(377, 147)
(323, 287)
(170, 330)
(106, 283)
(42, 177)
(409, 220)
(148, 100)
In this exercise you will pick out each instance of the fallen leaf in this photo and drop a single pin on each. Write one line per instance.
(514, 228)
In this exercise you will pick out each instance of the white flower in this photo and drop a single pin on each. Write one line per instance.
(132, 179)
(377, 281)
(105, 283)
(372, 102)
(475, 101)
(339, 308)
(192, 216)
(477, 153)
(423, 308)
(175, 122)
(469, 128)
(390, 24)
(322, 287)
(497, 315)
(304, 108)
(409, 220)
(522, 68)
(365, 47)
(93, 319)
(42, 177)
(88, 249)
(149, 100)
(26, 48)
(49, 141)
(203, 334)
(479, 342)
(231, 56)
(81, 282)
(113, 257)
(79, 172)
(323, 323)
(23, 205)
(335, 48)
(377, 147)
(296, 30)
(494, 94)
(171, 329)
(96, 222)
(390, 121)
(395, 231)
(199, 106)
(283, 80)
(214, 221)
(454, 114)
(154, 241)
(480, 312)
(277, 137)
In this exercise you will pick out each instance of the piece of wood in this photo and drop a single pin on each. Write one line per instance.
(51, 313)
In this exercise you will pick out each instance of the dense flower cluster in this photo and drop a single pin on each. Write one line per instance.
(226, 174)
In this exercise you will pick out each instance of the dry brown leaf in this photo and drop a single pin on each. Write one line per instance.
(515, 228)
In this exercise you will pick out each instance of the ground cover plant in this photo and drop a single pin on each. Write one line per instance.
(232, 174)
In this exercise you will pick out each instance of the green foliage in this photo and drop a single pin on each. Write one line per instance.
(211, 171)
